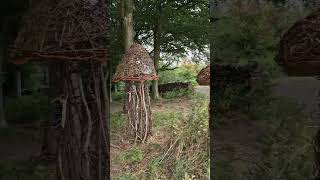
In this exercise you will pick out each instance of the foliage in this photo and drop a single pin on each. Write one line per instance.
(117, 96)
(288, 147)
(186, 72)
(16, 170)
(178, 30)
(26, 109)
(12, 135)
(252, 34)
(177, 94)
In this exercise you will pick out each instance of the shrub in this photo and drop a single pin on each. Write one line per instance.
(184, 73)
(118, 96)
(190, 136)
(177, 93)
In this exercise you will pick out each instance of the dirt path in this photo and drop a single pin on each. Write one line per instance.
(203, 89)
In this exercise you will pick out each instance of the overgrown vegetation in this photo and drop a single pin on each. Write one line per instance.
(178, 149)
(286, 144)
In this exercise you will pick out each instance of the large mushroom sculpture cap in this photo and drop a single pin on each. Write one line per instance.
(136, 65)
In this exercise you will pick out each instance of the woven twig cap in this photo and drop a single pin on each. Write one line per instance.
(299, 48)
(203, 77)
(136, 65)
(63, 30)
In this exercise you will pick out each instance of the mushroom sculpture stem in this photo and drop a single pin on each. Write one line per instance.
(135, 68)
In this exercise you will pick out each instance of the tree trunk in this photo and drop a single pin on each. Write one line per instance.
(156, 47)
(83, 152)
(3, 122)
(50, 140)
(18, 83)
(156, 57)
(128, 32)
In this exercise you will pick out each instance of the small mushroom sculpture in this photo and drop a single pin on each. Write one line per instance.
(203, 77)
(135, 68)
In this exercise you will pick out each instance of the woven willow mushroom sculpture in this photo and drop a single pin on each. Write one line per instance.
(135, 68)
(72, 36)
(203, 77)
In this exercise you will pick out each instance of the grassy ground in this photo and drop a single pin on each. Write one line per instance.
(165, 155)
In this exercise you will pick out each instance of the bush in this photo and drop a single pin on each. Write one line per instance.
(26, 109)
(184, 73)
(177, 93)
(118, 96)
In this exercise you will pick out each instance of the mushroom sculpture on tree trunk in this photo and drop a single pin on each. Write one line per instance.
(135, 68)
(72, 37)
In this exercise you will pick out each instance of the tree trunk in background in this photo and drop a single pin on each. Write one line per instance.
(3, 122)
(156, 56)
(50, 141)
(128, 32)
(18, 83)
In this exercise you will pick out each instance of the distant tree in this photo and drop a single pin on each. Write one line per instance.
(3, 122)
(171, 27)
(128, 33)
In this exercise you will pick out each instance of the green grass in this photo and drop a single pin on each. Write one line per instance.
(155, 166)
(166, 118)
(118, 121)
(127, 176)
(132, 155)
(118, 96)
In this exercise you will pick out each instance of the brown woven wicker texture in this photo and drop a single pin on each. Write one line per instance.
(299, 51)
(203, 77)
(136, 65)
(63, 30)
